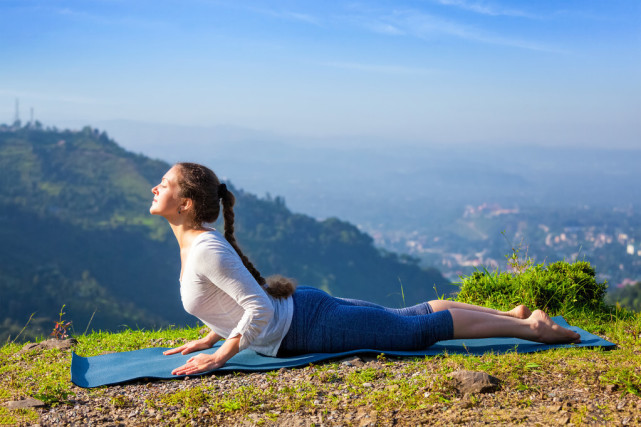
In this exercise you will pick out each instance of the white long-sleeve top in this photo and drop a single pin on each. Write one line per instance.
(218, 289)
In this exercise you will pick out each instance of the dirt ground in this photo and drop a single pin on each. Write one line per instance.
(335, 395)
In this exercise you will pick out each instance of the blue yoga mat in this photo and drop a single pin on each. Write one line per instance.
(150, 363)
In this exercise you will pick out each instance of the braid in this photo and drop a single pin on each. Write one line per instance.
(228, 200)
(276, 286)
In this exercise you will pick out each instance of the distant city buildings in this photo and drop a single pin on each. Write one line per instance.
(612, 249)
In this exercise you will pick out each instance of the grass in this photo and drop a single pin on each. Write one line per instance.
(418, 385)
(417, 389)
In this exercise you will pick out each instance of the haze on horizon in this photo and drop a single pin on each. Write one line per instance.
(417, 71)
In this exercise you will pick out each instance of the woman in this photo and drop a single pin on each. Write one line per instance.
(221, 287)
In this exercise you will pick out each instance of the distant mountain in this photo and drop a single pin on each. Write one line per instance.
(75, 231)
(362, 179)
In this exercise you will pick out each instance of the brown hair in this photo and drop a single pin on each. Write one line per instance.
(202, 186)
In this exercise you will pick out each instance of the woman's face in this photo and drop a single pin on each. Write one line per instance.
(166, 195)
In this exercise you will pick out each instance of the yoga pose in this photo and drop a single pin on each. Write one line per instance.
(220, 286)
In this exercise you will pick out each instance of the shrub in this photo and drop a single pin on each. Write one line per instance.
(560, 287)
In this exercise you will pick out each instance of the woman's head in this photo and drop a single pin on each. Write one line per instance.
(201, 185)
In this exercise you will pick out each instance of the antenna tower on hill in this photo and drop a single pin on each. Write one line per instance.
(17, 117)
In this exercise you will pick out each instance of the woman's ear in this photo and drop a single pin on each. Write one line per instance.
(186, 204)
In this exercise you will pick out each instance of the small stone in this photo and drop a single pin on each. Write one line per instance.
(59, 344)
(49, 344)
(611, 388)
(626, 421)
(29, 402)
(555, 408)
(29, 346)
(621, 405)
(464, 404)
(368, 385)
(474, 382)
(353, 361)
(563, 419)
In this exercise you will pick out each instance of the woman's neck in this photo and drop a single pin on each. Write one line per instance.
(185, 233)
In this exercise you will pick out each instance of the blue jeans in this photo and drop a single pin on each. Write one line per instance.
(325, 324)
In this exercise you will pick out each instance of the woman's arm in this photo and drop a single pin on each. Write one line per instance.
(206, 362)
(217, 262)
(200, 344)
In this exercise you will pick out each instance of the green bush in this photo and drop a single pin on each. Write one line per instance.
(557, 288)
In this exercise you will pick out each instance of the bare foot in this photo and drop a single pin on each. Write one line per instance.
(519, 312)
(548, 332)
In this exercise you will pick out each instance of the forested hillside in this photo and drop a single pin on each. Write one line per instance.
(75, 230)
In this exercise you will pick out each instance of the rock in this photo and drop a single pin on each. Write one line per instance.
(28, 347)
(60, 344)
(49, 344)
(29, 402)
(353, 361)
(474, 382)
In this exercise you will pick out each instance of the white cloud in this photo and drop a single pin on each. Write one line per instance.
(288, 15)
(385, 28)
(427, 26)
(485, 8)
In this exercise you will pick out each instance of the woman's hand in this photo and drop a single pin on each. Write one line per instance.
(190, 347)
(197, 364)
(206, 362)
(200, 344)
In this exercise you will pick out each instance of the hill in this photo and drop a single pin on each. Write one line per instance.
(76, 231)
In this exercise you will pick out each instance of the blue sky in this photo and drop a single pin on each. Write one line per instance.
(420, 72)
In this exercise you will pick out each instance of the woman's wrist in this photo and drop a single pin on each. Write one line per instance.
(210, 339)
